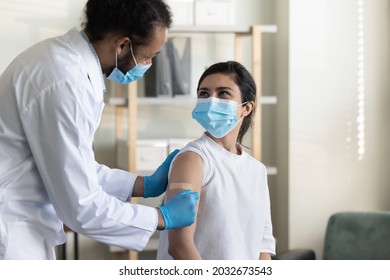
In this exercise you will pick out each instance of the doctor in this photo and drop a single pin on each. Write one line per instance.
(51, 100)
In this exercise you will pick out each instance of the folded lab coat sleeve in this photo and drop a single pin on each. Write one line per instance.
(116, 182)
(60, 124)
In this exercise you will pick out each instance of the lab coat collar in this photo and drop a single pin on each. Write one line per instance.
(94, 70)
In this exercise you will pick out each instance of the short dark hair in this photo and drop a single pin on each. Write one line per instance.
(244, 81)
(136, 19)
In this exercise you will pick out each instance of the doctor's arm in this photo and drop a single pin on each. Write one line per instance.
(124, 185)
(186, 173)
(59, 128)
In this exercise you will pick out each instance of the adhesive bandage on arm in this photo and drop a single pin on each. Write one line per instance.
(180, 186)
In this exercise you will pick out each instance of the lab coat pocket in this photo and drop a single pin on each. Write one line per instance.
(27, 241)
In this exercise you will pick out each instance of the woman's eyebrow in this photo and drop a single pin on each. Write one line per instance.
(225, 88)
(218, 88)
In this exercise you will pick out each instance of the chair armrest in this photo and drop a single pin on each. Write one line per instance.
(296, 254)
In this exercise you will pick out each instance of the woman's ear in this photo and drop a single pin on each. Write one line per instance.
(248, 108)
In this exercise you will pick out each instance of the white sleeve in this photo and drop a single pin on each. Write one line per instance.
(60, 125)
(268, 241)
(116, 182)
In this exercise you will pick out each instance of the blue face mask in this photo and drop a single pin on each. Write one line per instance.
(132, 75)
(215, 115)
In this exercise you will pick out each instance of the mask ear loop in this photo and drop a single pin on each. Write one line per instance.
(132, 54)
(246, 102)
(116, 59)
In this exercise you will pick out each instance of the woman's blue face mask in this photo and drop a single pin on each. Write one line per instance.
(217, 116)
(132, 75)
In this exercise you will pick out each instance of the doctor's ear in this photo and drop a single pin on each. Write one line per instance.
(122, 44)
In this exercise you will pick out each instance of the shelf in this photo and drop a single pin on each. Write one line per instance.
(272, 170)
(122, 101)
(222, 29)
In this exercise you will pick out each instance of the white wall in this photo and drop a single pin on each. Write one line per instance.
(327, 173)
(25, 22)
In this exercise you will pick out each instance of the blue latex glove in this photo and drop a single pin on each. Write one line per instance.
(156, 184)
(179, 211)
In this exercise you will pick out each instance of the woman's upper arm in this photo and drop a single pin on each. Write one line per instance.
(186, 173)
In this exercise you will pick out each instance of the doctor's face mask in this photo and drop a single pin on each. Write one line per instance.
(132, 75)
(217, 116)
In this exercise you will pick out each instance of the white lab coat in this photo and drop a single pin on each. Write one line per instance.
(51, 100)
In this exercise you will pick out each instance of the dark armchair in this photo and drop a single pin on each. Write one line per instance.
(351, 236)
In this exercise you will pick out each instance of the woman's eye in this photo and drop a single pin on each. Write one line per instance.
(223, 93)
(203, 94)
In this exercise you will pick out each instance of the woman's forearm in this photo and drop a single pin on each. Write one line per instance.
(265, 256)
(186, 252)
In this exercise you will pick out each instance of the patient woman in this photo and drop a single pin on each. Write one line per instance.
(233, 213)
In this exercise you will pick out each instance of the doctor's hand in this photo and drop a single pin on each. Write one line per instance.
(156, 184)
(180, 210)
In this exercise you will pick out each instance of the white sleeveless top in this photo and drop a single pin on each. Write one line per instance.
(234, 219)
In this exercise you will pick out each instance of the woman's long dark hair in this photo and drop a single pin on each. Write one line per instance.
(244, 81)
